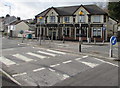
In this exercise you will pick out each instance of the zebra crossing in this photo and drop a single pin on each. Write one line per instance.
(45, 54)
(50, 74)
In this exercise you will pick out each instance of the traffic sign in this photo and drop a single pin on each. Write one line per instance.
(104, 28)
(113, 40)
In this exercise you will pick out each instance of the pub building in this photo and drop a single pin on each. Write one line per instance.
(86, 21)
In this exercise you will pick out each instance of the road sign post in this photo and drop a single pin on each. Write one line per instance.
(113, 41)
(103, 33)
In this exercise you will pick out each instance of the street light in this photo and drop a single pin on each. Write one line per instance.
(40, 28)
(9, 8)
(80, 34)
(63, 32)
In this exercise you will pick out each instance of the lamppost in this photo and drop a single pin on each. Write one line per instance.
(80, 34)
(9, 18)
(104, 28)
(40, 29)
(63, 32)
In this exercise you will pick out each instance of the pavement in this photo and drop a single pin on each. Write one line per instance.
(98, 49)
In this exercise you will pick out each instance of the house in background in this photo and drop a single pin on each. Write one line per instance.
(17, 26)
(6, 21)
(112, 27)
(57, 21)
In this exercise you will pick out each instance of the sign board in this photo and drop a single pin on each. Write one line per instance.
(104, 28)
(113, 40)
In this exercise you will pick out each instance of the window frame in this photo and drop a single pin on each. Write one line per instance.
(96, 17)
(97, 32)
(68, 19)
(82, 18)
(52, 19)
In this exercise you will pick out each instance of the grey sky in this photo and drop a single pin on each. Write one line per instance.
(29, 8)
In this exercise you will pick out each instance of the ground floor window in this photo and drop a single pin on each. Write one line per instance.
(83, 32)
(97, 32)
(77, 32)
(67, 31)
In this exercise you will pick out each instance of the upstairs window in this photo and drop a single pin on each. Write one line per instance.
(52, 19)
(82, 18)
(66, 19)
(96, 19)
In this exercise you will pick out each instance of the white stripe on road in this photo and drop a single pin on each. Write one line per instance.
(20, 74)
(6, 61)
(10, 77)
(65, 76)
(36, 55)
(67, 61)
(78, 58)
(39, 69)
(58, 52)
(85, 56)
(54, 65)
(106, 62)
(47, 53)
(51, 70)
(92, 65)
(21, 57)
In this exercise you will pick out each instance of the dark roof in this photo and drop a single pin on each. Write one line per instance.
(93, 9)
(66, 10)
(43, 13)
(70, 10)
(10, 19)
(15, 22)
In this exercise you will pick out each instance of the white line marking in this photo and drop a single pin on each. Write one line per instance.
(65, 76)
(10, 77)
(92, 65)
(106, 62)
(47, 53)
(51, 70)
(20, 74)
(78, 58)
(67, 62)
(39, 69)
(58, 52)
(54, 65)
(6, 61)
(84, 56)
(36, 55)
(21, 57)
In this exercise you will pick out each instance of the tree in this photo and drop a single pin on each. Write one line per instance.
(114, 10)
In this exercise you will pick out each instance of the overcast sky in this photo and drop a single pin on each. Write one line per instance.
(29, 8)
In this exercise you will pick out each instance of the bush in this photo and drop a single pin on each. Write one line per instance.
(5, 33)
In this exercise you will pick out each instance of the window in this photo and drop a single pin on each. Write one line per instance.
(97, 32)
(77, 32)
(96, 19)
(82, 18)
(66, 32)
(52, 19)
(66, 19)
(84, 31)
(41, 20)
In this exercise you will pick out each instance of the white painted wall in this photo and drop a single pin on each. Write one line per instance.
(85, 14)
(50, 14)
(20, 26)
